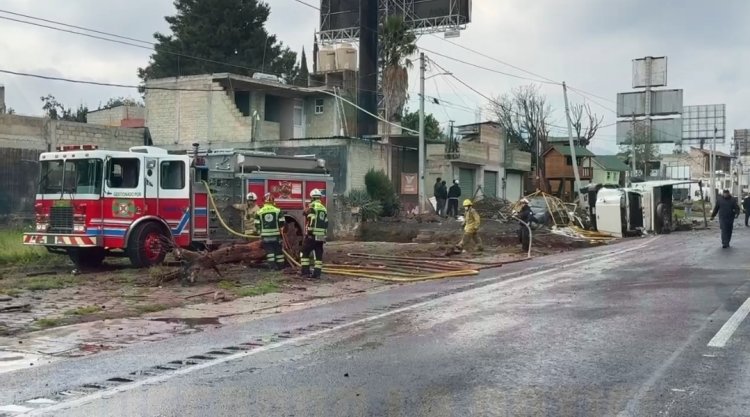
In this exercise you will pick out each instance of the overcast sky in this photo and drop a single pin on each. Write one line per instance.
(588, 43)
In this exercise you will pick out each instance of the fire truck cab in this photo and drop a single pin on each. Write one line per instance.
(94, 203)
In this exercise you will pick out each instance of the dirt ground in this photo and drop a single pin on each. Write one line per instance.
(39, 297)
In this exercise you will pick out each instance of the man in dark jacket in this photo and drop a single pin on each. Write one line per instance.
(435, 193)
(454, 193)
(442, 198)
(728, 210)
(746, 207)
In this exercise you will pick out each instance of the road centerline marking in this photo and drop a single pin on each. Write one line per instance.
(727, 330)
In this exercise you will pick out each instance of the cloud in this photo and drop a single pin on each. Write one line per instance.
(588, 43)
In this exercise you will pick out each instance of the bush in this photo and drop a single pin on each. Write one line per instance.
(368, 208)
(380, 188)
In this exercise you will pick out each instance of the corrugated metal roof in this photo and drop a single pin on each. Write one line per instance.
(610, 163)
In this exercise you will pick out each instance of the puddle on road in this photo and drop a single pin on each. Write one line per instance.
(190, 321)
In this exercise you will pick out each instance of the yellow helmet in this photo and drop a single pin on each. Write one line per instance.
(467, 203)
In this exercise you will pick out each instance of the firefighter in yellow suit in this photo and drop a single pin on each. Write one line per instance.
(471, 227)
(268, 222)
(251, 209)
(316, 229)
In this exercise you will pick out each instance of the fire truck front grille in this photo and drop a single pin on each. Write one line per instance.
(61, 220)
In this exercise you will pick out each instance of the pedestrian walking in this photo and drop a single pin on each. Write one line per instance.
(746, 207)
(454, 193)
(268, 222)
(526, 215)
(728, 210)
(471, 228)
(316, 230)
(688, 209)
(442, 199)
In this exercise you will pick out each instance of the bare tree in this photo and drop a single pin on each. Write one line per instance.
(585, 123)
(524, 115)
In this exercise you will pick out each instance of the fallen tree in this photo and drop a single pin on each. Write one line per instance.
(195, 263)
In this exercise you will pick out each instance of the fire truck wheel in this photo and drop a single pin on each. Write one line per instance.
(147, 245)
(87, 257)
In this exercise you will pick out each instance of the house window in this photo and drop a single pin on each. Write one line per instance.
(318, 106)
(609, 175)
(569, 161)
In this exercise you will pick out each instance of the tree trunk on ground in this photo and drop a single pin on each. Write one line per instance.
(197, 262)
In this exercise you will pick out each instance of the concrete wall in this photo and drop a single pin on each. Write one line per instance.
(24, 132)
(184, 117)
(115, 115)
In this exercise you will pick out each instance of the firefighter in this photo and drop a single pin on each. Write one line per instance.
(268, 222)
(251, 209)
(471, 227)
(316, 229)
(526, 216)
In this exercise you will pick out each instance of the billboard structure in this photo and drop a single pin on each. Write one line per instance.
(742, 142)
(698, 123)
(636, 110)
(339, 19)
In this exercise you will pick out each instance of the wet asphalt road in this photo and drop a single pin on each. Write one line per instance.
(620, 331)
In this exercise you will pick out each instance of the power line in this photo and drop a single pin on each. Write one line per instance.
(307, 4)
(151, 48)
(488, 69)
(103, 84)
(74, 26)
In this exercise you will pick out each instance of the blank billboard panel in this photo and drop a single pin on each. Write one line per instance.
(656, 77)
(662, 131)
(663, 103)
(699, 123)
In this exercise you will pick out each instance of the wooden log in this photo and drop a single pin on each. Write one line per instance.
(196, 262)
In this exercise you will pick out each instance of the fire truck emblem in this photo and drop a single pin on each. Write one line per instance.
(123, 208)
(284, 189)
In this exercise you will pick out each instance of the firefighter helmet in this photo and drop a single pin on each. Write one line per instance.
(467, 203)
(315, 194)
(268, 198)
(251, 197)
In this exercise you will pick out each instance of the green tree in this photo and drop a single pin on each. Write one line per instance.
(645, 149)
(223, 31)
(398, 44)
(303, 74)
(56, 111)
(410, 120)
(381, 189)
(122, 101)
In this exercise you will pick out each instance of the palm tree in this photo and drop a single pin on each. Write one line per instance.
(398, 45)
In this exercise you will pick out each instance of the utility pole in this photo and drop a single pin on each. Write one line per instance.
(712, 164)
(649, 67)
(633, 165)
(572, 147)
(421, 148)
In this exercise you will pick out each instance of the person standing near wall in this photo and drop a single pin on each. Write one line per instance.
(435, 193)
(454, 193)
(442, 199)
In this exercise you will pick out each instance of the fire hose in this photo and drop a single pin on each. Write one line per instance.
(393, 273)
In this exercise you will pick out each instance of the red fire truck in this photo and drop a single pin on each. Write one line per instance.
(94, 203)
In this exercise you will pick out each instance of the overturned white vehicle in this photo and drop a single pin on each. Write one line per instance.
(643, 207)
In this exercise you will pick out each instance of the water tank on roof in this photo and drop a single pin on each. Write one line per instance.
(326, 59)
(346, 57)
(268, 77)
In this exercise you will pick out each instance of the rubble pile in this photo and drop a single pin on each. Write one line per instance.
(494, 208)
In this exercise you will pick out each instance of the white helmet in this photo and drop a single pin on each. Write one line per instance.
(316, 193)
(252, 197)
(524, 201)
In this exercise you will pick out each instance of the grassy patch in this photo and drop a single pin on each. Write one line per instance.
(150, 308)
(261, 288)
(12, 292)
(47, 322)
(46, 283)
(227, 285)
(14, 252)
(83, 311)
